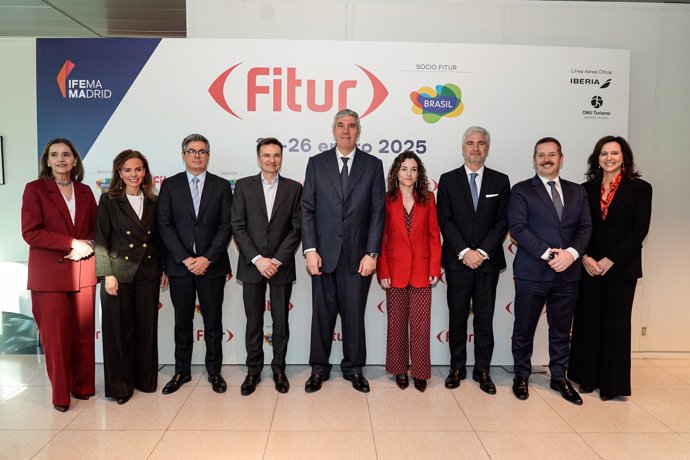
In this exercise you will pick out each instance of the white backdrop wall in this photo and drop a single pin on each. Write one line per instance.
(656, 34)
(243, 89)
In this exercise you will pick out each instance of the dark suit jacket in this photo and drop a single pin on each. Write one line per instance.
(463, 227)
(124, 243)
(48, 229)
(535, 226)
(620, 236)
(179, 228)
(410, 259)
(256, 234)
(331, 221)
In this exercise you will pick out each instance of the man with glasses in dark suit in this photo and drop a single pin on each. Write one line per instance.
(194, 223)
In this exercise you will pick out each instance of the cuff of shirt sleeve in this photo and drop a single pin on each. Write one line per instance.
(573, 253)
(462, 253)
(256, 258)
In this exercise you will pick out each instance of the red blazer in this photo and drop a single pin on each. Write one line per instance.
(48, 229)
(410, 259)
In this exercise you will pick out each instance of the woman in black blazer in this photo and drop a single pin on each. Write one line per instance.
(621, 206)
(128, 266)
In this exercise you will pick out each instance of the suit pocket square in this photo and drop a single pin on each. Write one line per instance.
(491, 195)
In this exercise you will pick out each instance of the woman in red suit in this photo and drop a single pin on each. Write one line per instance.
(58, 220)
(410, 263)
(621, 207)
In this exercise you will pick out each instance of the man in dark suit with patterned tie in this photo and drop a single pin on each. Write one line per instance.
(550, 221)
(473, 217)
(266, 226)
(343, 214)
(194, 223)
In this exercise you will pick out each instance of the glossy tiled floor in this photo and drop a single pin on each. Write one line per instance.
(339, 422)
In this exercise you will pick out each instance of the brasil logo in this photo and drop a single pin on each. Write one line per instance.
(445, 101)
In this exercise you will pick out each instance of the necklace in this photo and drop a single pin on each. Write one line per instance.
(63, 183)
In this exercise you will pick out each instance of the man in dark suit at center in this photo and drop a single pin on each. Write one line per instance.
(266, 226)
(194, 223)
(550, 221)
(473, 217)
(343, 214)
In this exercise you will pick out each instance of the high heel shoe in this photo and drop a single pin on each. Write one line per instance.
(402, 381)
(60, 408)
(420, 384)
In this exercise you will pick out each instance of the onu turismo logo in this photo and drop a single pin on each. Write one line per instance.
(434, 104)
(80, 88)
(286, 89)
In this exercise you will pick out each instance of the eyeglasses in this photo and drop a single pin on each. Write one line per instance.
(192, 152)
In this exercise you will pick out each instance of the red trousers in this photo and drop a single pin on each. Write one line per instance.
(66, 323)
(409, 308)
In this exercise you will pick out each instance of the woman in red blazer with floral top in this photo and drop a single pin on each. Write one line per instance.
(58, 220)
(409, 264)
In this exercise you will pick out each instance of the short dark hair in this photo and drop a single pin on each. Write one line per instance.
(594, 171)
(268, 141)
(195, 138)
(546, 140)
(45, 171)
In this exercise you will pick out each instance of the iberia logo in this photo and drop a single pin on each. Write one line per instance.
(67, 68)
(445, 101)
(282, 88)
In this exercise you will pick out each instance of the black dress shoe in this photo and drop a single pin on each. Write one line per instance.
(454, 377)
(419, 384)
(606, 396)
(175, 383)
(218, 383)
(249, 384)
(520, 388)
(81, 397)
(122, 401)
(586, 388)
(485, 383)
(359, 382)
(281, 382)
(567, 391)
(402, 381)
(60, 408)
(314, 383)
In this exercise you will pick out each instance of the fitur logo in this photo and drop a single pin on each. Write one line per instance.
(434, 104)
(77, 88)
(285, 89)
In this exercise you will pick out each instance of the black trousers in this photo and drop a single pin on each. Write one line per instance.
(530, 296)
(254, 295)
(183, 292)
(130, 336)
(339, 293)
(600, 349)
(478, 289)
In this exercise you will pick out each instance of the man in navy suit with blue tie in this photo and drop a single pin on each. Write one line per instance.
(550, 220)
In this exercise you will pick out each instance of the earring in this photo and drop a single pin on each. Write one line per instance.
(623, 167)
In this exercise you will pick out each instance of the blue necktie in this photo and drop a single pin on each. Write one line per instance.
(196, 196)
(556, 197)
(473, 189)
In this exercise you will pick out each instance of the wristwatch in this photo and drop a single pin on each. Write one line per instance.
(373, 255)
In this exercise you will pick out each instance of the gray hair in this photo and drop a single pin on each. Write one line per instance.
(194, 138)
(476, 129)
(345, 113)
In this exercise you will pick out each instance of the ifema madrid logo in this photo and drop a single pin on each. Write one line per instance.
(432, 105)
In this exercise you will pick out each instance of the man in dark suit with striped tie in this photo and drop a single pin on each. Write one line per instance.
(550, 221)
